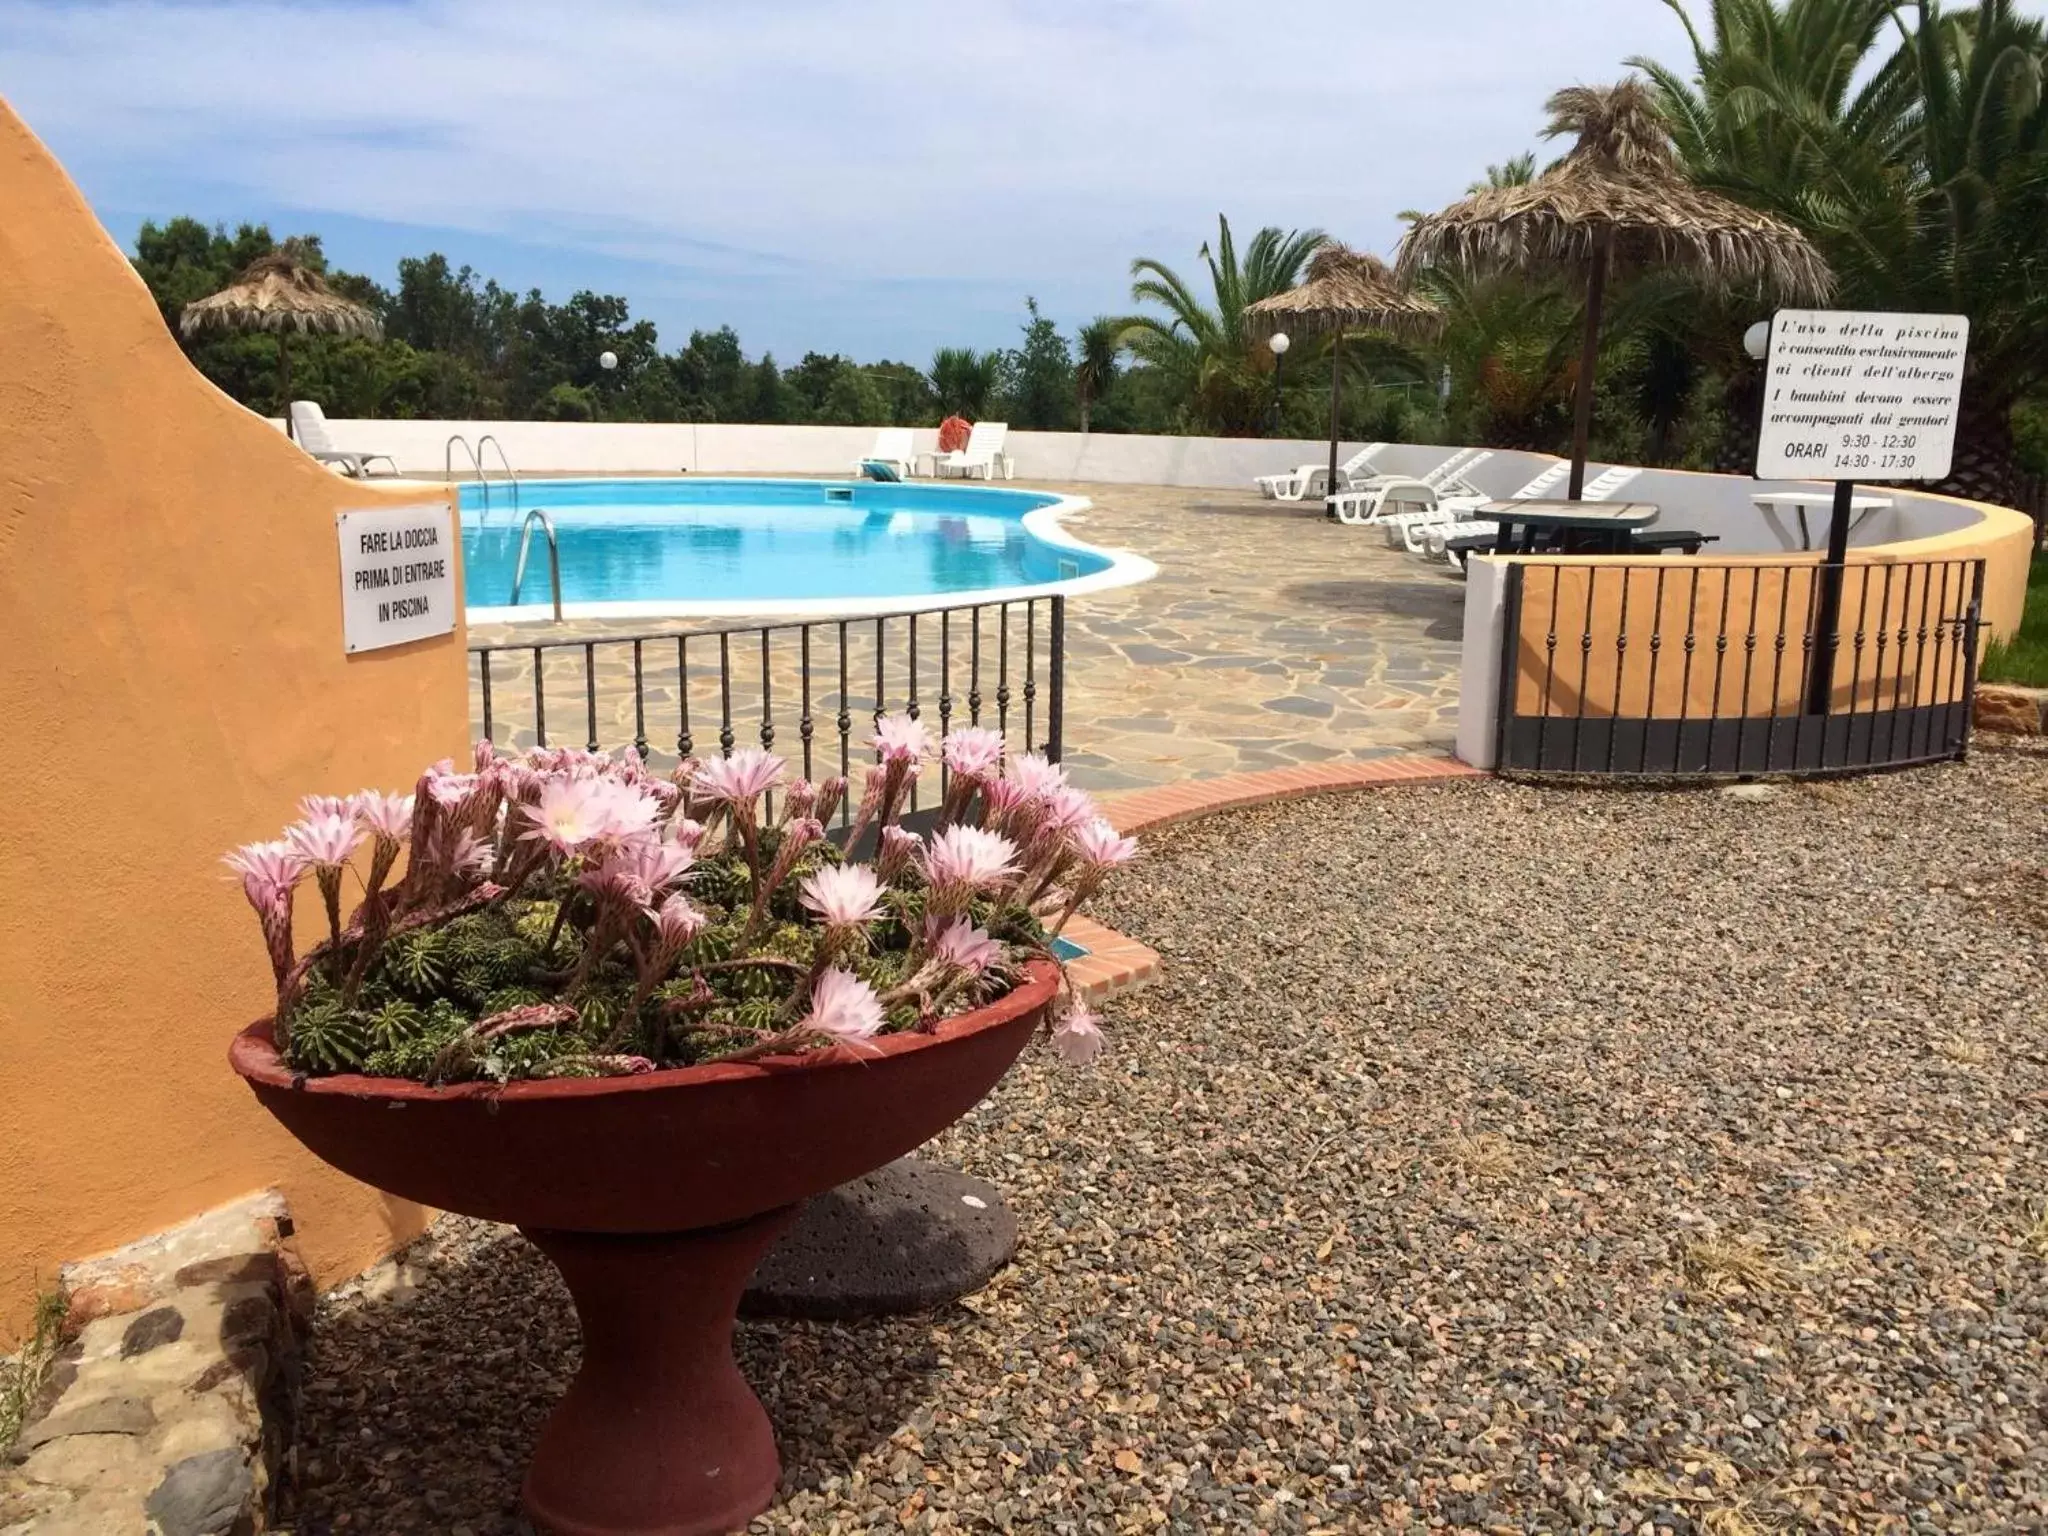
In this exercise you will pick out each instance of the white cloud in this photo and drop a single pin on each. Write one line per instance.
(1013, 146)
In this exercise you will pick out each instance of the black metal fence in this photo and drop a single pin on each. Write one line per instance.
(809, 689)
(1704, 669)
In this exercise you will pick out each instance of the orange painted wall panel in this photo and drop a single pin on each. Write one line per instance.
(171, 680)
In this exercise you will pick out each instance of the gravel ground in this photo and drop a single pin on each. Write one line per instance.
(1529, 1161)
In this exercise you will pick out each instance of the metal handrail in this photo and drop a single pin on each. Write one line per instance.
(448, 463)
(510, 473)
(554, 558)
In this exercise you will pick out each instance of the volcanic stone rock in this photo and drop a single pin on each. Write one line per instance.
(202, 1495)
(158, 1326)
(906, 1238)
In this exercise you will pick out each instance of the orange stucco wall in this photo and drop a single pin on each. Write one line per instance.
(171, 680)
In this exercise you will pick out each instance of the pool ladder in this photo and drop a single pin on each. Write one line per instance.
(476, 463)
(538, 515)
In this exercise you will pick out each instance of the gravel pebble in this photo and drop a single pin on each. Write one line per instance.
(1519, 1160)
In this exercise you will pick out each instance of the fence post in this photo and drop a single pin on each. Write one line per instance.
(1056, 683)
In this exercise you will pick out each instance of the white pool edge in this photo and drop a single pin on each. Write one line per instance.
(1125, 569)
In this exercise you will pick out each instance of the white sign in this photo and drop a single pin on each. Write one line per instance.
(397, 575)
(1853, 396)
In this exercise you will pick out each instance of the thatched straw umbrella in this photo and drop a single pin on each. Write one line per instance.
(1618, 199)
(1345, 289)
(279, 293)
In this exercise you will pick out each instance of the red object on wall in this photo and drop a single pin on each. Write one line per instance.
(953, 433)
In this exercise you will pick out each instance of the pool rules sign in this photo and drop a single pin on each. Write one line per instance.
(397, 575)
(1861, 396)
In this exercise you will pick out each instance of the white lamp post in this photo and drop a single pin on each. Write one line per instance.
(1279, 342)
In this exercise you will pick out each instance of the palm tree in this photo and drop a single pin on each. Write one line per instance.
(1926, 184)
(1098, 345)
(964, 379)
(1515, 171)
(1212, 360)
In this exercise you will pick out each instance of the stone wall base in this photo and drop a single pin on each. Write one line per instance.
(172, 1406)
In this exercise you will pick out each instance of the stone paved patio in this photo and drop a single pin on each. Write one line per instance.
(1270, 637)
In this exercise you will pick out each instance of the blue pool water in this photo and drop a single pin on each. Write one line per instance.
(691, 541)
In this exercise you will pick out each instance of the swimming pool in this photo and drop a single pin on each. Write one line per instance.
(708, 547)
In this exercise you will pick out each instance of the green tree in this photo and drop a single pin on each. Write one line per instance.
(1515, 171)
(1038, 382)
(1204, 353)
(964, 381)
(1097, 346)
(711, 376)
(1923, 177)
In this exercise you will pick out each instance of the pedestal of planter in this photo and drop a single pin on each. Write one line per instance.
(658, 1433)
(656, 1196)
(906, 1238)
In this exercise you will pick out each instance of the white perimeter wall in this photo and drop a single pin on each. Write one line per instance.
(1712, 504)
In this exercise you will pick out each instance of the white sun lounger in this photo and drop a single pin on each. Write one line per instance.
(983, 454)
(1368, 503)
(892, 447)
(1312, 479)
(309, 426)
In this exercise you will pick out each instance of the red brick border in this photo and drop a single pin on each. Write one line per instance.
(1115, 963)
(1144, 809)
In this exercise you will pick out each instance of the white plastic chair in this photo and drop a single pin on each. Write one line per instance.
(309, 426)
(893, 446)
(983, 454)
(1312, 479)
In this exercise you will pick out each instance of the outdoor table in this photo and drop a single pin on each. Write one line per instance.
(1823, 496)
(1576, 527)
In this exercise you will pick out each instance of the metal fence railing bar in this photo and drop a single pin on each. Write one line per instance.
(808, 689)
(1713, 669)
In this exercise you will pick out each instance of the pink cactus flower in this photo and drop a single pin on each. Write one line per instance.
(844, 1008)
(269, 871)
(974, 752)
(961, 861)
(1098, 845)
(638, 872)
(449, 790)
(388, 818)
(1003, 799)
(966, 948)
(313, 807)
(830, 792)
(843, 895)
(472, 857)
(1068, 808)
(686, 834)
(571, 814)
(484, 756)
(741, 779)
(898, 739)
(1077, 1037)
(676, 922)
(1037, 778)
(898, 854)
(325, 842)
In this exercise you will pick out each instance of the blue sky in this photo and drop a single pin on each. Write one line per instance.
(878, 177)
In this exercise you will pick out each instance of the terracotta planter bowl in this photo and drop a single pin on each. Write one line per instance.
(655, 1196)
